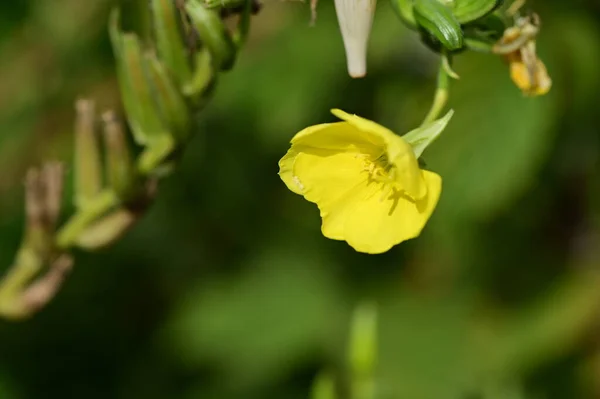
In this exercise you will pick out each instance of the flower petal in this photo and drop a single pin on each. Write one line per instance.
(286, 169)
(339, 136)
(332, 181)
(380, 133)
(374, 225)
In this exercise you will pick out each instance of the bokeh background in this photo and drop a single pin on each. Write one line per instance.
(226, 289)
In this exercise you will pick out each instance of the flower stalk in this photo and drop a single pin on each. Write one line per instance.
(442, 93)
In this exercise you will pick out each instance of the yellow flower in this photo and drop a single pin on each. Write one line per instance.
(365, 180)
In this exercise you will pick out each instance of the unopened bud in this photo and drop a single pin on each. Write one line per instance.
(356, 18)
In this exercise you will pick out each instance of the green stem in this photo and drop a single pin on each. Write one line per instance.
(441, 93)
(243, 28)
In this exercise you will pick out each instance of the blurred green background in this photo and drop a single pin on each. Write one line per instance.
(227, 289)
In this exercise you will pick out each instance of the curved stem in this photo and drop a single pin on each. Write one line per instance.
(441, 93)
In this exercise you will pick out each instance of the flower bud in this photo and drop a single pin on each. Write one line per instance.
(438, 19)
(355, 18)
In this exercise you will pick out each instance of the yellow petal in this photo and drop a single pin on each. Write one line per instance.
(340, 136)
(380, 134)
(286, 168)
(331, 180)
(398, 151)
(374, 225)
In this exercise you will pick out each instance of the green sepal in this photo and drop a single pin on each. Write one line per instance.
(213, 33)
(438, 20)
(423, 136)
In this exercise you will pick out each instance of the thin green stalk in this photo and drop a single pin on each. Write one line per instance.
(442, 93)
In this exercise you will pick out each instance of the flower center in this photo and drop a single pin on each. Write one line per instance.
(381, 171)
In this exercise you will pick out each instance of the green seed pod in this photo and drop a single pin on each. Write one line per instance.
(213, 34)
(119, 168)
(142, 112)
(169, 40)
(88, 168)
(438, 19)
(174, 110)
(467, 11)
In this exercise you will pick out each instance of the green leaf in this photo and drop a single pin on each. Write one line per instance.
(421, 137)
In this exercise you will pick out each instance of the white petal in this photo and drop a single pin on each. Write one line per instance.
(355, 18)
